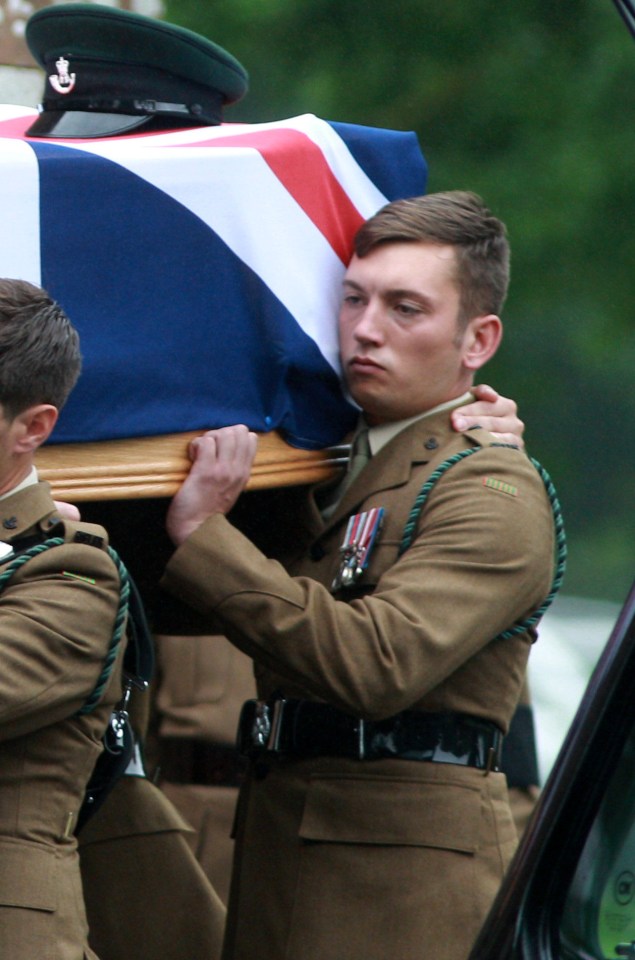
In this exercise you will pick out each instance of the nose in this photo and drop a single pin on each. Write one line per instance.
(369, 327)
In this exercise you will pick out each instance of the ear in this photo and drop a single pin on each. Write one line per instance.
(33, 426)
(481, 340)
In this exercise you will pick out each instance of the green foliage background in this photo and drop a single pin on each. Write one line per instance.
(531, 104)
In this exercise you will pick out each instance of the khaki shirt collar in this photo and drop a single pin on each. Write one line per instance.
(382, 434)
(28, 481)
(28, 509)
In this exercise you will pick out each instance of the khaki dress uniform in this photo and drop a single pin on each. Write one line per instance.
(58, 612)
(344, 857)
(202, 684)
(146, 896)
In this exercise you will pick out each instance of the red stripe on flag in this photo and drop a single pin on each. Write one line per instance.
(293, 157)
(301, 167)
(15, 127)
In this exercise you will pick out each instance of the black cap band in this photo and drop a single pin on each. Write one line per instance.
(113, 63)
(129, 88)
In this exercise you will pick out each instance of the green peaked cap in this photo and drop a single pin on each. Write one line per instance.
(110, 71)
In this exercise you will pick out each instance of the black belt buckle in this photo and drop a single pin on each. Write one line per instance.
(259, 727)
(320, 730)
(299, 728)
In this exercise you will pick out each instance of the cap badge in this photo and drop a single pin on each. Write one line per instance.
(62, 82)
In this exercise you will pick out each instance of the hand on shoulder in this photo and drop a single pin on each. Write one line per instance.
(493, 412)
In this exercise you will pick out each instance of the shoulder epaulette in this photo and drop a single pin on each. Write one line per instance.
(139, 656)
(138, 661)
(561, 544)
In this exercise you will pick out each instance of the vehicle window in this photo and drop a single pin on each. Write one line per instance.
(599, 918)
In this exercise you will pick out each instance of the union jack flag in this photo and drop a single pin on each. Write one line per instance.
(202, 267)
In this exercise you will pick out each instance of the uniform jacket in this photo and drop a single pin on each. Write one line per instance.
(142, 883)
(389, 857)
(57, 613)
(202, 684)
(203, 681)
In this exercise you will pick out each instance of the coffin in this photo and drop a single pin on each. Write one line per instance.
(202, 269)
(156, 466)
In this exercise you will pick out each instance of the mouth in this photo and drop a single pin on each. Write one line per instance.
(362, 364)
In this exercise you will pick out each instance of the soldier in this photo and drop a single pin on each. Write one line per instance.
(142, 883)
(111, 72)
(62, 624)
(390, 653)
(203, 681)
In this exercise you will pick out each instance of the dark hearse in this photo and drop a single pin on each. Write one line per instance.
(570, 891)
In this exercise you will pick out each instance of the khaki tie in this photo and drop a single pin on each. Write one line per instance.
(360, 455)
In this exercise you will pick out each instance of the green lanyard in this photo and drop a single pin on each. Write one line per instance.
(120, 619)
(561, 544)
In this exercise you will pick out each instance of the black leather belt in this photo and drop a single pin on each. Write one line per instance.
(304, 728)
(204, 764)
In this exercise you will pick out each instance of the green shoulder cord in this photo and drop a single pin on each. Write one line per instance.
(120, 619)
(118, 740)
(561, 546)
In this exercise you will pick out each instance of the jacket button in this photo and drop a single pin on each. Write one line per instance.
(431, 444)
(10, 523)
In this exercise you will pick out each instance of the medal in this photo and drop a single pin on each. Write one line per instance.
(358, 542)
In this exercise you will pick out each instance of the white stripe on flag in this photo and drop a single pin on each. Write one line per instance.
(361, 190)
(20, 229)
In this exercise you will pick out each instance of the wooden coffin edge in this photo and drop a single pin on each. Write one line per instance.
(156, 466)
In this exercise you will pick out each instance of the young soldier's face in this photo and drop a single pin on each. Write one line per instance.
(400, 343)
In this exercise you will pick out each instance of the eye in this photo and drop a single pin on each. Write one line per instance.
(407, 310)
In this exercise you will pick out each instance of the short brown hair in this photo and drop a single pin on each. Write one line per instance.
(459, 219)
(39, 349)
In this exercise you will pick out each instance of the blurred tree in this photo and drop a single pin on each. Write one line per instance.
(531, 104)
